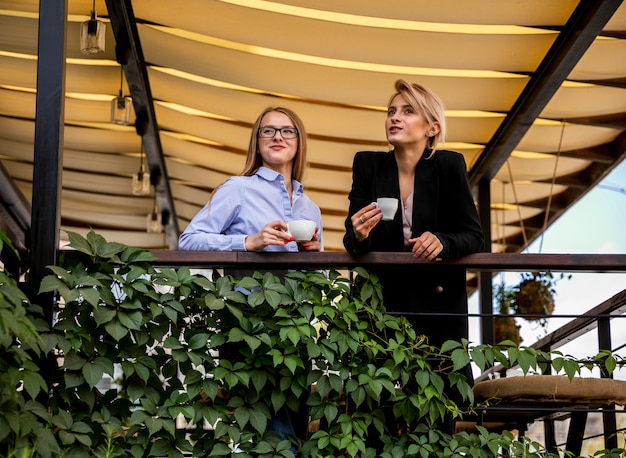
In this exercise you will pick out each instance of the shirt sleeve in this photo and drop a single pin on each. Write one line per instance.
(207, 231)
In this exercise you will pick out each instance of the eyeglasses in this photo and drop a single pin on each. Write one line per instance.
(285, 132)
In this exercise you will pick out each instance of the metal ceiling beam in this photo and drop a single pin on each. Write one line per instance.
(48, 149)
(585, 23)
(129, 53)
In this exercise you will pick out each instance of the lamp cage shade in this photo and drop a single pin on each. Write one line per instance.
(141, 183)
(92, 36)
(154, 224)
(120, 110)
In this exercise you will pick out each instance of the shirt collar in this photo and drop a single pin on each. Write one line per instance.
(271, 175)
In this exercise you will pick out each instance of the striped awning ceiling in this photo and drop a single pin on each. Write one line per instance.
(535, 93)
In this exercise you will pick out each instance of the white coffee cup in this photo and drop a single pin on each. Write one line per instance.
(389, 206)
(301, 229)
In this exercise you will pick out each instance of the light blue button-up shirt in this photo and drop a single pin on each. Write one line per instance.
(242, 206)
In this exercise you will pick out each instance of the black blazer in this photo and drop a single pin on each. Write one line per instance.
(442, 204)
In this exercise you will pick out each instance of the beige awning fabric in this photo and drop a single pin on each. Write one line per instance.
(214, 65)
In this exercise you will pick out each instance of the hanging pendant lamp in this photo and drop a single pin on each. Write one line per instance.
(120, 105)
(154, 224)
(141, 179)
(92, 34)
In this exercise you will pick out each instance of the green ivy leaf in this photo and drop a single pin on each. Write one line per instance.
(91, 295)
(63, 420)
(110, 250)
(142, 371)
(46, 443)
(103, 315)
(81, 427)
(478, 357)
(220, 449)
(259, 379)
(252, 342)
(171, 314)
(214, 303)
(571, 368)
(236, 335)
(242, 416)
(236, 312)
(116, 329)
(137, 255)
(526, 360)
(330, 412)
(160, 447)
(130, 320)
(93, 374)
(198, 341)
(153, 424)
(460, 358)
(173, 343)
(73, 379)
(66, 438)
(256, 298)
(292, 363)
(79, 243)
(610, 364)
(33, 383)
(272, 297)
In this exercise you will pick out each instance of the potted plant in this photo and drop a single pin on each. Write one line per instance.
(533, 299)
(534, 295)
(505, 326)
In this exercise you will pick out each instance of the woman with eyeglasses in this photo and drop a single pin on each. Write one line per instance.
(250, 212)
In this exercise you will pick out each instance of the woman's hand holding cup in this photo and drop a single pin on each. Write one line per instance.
(365, 220)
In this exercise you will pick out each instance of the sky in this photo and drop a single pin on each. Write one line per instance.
(595, 224)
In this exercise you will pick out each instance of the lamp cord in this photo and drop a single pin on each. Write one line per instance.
(141, 154)
(121, 81)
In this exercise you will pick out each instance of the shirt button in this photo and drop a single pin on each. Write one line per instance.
(439, 289)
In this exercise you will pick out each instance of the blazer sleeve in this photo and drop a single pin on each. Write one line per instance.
(359, 197)
(460, 230)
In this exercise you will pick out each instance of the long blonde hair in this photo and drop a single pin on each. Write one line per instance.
(254, 160)
(428, 104)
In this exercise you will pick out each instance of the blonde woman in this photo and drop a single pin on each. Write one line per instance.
(436, 216)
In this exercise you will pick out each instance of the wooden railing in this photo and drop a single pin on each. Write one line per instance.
(494, 262)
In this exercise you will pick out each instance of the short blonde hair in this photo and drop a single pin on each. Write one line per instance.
(254, 159)
(426, 103)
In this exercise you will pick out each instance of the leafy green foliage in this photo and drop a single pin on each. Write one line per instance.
(171, 363)
(22, 348)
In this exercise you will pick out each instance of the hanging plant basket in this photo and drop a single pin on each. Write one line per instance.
(506, 328)
(534, 296)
